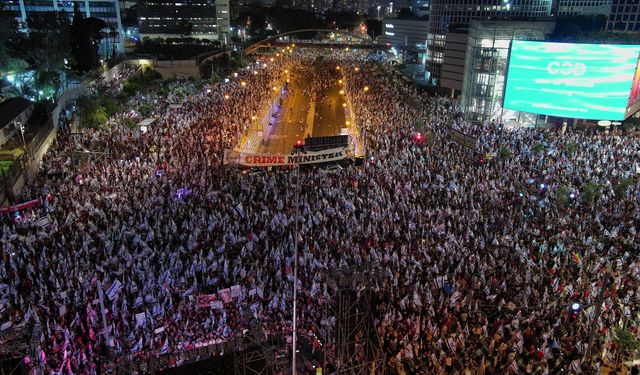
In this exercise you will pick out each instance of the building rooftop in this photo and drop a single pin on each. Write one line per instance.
(11, 108)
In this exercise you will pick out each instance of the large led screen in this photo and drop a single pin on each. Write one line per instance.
(587, 81)
(634, 96)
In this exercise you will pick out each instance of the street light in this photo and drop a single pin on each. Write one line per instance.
(379, 11)
(226, 96)
(364, 135)
(298, 149)
(18, 124)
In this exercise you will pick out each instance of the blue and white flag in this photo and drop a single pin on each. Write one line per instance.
(240, 210)
(113, 290)
(192, 244)
(137, 347)
(165, 347)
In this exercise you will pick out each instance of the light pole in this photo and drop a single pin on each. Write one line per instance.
(379, 11)
(298, 148)
(364, 136)
(21, 128)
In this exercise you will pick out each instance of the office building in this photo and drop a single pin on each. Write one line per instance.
(624, 16)
(583, 7)
(446, 13)
(169, 19)
(475, 63)
(107, 10)
(223, 20)
(407, 36)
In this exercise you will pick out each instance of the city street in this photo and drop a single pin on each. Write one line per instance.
(294, 119)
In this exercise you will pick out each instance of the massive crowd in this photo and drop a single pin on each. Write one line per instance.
(479, 260)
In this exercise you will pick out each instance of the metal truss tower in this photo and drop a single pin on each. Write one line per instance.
(357, 349)
(255, 353)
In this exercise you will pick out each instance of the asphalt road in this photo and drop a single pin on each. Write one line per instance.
(291, 124)
(330, 116)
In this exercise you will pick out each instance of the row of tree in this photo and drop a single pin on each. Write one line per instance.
(284, 19)
(53, 44)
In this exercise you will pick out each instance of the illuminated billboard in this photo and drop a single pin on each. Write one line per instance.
(586, 81)
(634, 97)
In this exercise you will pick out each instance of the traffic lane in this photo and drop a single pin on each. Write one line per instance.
(291, 121)
(330, 114)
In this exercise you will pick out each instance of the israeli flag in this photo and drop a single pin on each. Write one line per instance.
(113, 290)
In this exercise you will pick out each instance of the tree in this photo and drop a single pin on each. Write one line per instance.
(46, 48)
(538, 148)
(90, 113)
(570, 148)
(562, 196)
(405, 13)
(10, 38)
(86, 35)
(185, 27)
(621, 188)
(505, 153)
(626, 341)
(591, 193)
(374, 27)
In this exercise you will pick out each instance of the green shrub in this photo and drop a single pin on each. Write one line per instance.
(562, 196)
(129, 123)
(622, 187)
(505, 153)
(538, 148)
(110, 105)
(145, 110)
(591, 193)
(571, 148)
(94, 117)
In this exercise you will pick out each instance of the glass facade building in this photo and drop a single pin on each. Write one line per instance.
(163, 19)
(486, 64)
(624, 16)
(408, 36)
(583, 7)
(446, 13)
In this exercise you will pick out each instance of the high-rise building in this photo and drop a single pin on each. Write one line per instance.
(583, 7)
(174, 18)
(107, 10)
(223, 20)
(407, 36)
(444, 13)
(624, 16)
(475, 62)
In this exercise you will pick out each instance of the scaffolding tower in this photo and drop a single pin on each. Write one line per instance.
(255, 352)
(357, 349)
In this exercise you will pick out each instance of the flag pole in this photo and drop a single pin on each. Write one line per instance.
(104, 316)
